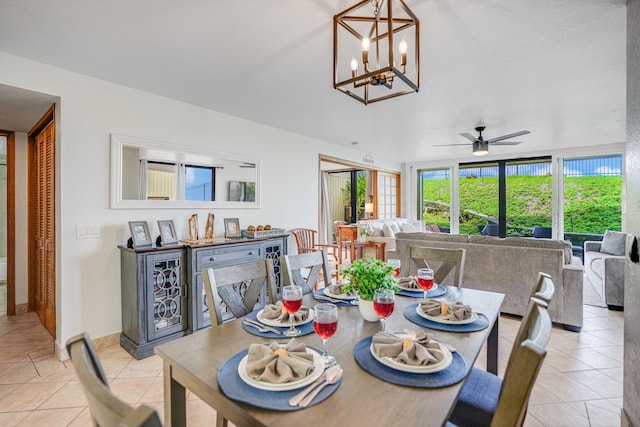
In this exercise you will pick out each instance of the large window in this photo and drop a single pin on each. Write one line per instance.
(592, 195)
(507, 197)
(387, 195)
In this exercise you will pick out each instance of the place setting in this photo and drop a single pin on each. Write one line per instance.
(411, 358)
(337, 295)
(272, 375)
(450, 316)
(285, 318)
(417, 286)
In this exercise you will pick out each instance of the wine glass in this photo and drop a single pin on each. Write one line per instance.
(395, 263)
(383, 304)
(325, 323)
(425, 280)
(292, 301)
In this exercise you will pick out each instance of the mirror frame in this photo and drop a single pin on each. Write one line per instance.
(118, 142)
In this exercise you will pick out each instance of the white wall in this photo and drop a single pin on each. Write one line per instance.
(88, 270)
(21, 200)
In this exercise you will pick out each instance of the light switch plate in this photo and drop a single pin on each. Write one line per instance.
(91, 231)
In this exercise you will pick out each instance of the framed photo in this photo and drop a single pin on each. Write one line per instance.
(232, 227)
(167, 232)
(140, 235)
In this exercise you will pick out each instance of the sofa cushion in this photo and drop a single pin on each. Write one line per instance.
(410, 227)
(440, 237)
(374, 228)
(527, 242)
(388, 230)
(613, 243)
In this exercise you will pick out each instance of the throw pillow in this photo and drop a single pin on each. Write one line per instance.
(418, 225)
(387, 231)
(395, 227)
(374, 229)
(613, 243)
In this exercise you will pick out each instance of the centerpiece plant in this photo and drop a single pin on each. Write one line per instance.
(368, 274)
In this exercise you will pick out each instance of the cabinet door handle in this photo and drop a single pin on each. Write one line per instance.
(212, 258)
(252, 253)
(184, 291)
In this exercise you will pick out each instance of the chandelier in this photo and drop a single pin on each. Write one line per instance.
(382, 50)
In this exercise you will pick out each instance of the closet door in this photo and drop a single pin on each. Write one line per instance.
(44, 289)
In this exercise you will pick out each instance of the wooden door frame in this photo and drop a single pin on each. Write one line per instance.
(47, 118)
(11, 223)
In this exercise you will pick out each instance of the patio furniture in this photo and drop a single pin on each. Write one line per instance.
(604, 265)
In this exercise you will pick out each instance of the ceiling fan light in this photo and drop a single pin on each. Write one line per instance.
(480, 148)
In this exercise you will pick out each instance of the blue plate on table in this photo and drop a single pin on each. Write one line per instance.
(453, 374)
(418, 293)
(305, 329)
(410, 313)
(236, 389)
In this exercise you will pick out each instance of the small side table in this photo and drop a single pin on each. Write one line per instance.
(377, 246)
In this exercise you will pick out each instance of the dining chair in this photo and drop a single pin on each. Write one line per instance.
(344, 242)
(485, 399)
(306, 242)
(544, 288)
(305, 269)
(238, 287)
(442, 261)
(105, 407)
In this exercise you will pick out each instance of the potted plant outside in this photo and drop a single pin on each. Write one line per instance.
(365, 277)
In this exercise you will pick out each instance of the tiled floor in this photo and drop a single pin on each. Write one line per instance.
(580, 383)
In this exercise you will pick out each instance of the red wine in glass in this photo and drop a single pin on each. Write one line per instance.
(425, 284)
(396, 264)
(292, 305)
(325, 327)
(384, 307)
(425, 280)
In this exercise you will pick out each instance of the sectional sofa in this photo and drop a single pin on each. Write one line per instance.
(511, 266)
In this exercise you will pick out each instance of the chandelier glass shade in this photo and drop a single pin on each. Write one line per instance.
(376, 50)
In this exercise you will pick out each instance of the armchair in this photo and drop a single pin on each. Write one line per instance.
(605, 271)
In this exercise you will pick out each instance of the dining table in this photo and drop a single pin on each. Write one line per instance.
(361, 399)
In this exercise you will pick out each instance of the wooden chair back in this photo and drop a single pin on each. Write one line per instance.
(306, 242)
(305, 269)
(238, 287)
(544, 289)
(305, 239)
(442, 261)
(106, 408)
(523, 367)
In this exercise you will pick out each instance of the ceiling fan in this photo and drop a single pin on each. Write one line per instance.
(481, 145)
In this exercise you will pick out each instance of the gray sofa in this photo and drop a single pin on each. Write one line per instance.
(511, 266)
(604, 267)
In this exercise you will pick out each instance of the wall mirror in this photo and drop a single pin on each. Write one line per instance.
(148, 174)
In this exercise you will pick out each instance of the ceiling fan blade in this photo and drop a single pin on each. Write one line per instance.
(506, 143)
(469, 137)
(448, 145)
(511, 135)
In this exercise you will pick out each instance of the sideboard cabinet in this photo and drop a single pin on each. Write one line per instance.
(237, 251)
(154, 307)
(162, 292)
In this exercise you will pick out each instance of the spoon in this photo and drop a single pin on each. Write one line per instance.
(334, 374)
(298, 397)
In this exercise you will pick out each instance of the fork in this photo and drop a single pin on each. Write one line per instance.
(260, 328)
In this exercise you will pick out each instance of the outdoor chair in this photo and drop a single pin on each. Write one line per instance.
(105, 407)
(306, 242)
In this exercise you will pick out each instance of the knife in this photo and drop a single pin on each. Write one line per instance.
(262, 325)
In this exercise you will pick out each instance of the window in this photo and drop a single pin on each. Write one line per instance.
(200, 183)
(434, 202)
(387, 195)
(161, 181)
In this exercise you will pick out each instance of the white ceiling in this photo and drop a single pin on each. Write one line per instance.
(554, 67)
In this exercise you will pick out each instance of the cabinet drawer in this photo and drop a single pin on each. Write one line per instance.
(220, 257)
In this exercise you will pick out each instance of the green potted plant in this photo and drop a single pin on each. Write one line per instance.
(365, 276)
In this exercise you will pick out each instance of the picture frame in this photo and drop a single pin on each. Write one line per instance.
(167, 232)
(232, 227)
(140, 236)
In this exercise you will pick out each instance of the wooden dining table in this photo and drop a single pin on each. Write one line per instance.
(192, 363)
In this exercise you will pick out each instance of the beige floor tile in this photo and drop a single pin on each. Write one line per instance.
(603, 413)
(130, 389)
(10, 419)
(594, 358)
(558, 415)
(14, 373)
(52, 369)
(69, 396)
(50, 417)
(155, 392)
(18, 353)
(199, 414)
(598, 382)
(5, 389)
(565, 388)
(531, 421)
(29, 396)
(149, 367)
(83, 419)
(615, 352)
(563, 362)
